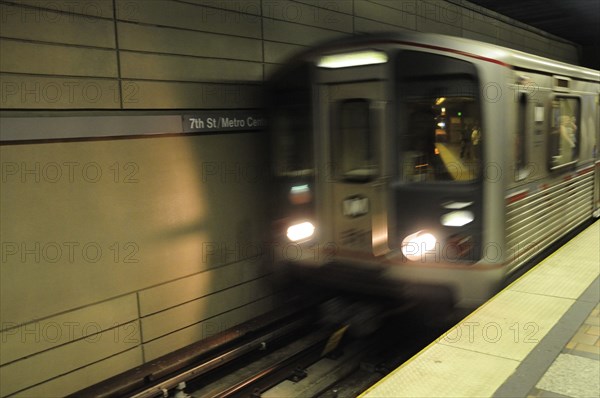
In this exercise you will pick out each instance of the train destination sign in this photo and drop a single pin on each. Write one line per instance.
(224, 120)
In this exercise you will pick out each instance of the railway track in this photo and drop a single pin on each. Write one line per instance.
(318, 361)
(238, 345)
(290, 352)
(327, 362)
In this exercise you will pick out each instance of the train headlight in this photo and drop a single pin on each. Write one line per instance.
(457, 218)
(416, 245)
(301, 231)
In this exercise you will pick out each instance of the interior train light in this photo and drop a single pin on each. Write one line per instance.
(416, 245)
(457, 218)
(358, 58)
(301, 231)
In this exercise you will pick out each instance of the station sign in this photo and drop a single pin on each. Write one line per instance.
(223, 120)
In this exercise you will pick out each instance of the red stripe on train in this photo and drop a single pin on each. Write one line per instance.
(516, 197)
(522, 195)
(585, 171)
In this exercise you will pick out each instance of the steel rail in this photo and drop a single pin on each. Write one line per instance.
(213, 363)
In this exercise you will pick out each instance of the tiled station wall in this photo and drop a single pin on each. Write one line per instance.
(118, 251)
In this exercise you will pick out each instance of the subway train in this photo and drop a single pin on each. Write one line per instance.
(421, 165)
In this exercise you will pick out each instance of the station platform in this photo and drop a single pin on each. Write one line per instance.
(539, 337)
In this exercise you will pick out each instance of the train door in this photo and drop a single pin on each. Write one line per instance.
(353, 123)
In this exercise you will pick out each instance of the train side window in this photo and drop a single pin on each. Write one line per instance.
(521, 138)
(564, 135)
(354, 147)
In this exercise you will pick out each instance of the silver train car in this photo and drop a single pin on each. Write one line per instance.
(421, 165)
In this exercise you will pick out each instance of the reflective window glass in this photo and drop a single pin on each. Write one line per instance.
(564, 132)
(441, 136)
(353, 142)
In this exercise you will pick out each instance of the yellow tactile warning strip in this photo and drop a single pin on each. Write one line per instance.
(476, 356)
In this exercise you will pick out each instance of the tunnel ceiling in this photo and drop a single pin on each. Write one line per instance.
(574, 20)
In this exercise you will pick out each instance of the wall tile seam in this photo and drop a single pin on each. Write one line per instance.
(213, 7)
(68, 311)
(495, 36)
(222, 82)
(457, 24)
(265, 18)
(415, 14)
(241, 83)
(216, 267)
(54, 10)
(296, 44)
(262, 41)
(74, 370)
(9, 113)
(132, 348)
(88, 336)
(147, 314)
(37, 41)
(42, 75)
(54, 43)
(50, 9)
(252, 83)
(504, 43)
(139, 324)
(220, 58)
(274, 64)
(120, 349)
(203, 57)
(384, 23)
(147, 24)
(237, 285)
(321, 7)
(545, 35)
(117, 54)
(182, 28)
(353, 17)
(251, 311)
(254, 301)
(45, 75)
(57, 44)
(48, 317)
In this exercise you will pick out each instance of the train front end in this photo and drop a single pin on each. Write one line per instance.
(377, 156)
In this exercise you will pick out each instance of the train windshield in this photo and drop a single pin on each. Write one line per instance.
(291, 125)
(440, 128)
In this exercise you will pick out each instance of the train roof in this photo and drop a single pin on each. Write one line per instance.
(458, 45)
